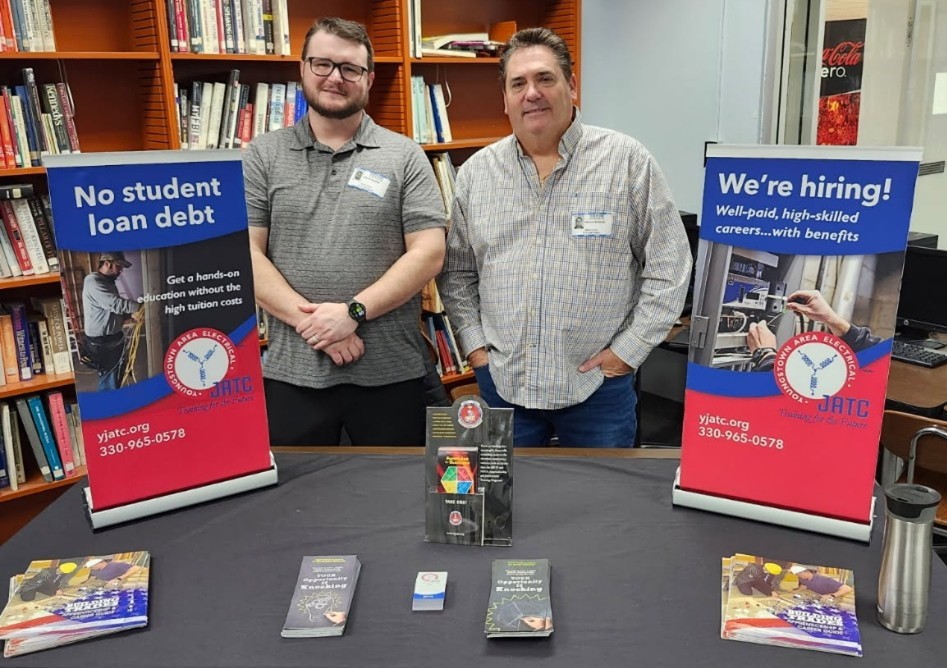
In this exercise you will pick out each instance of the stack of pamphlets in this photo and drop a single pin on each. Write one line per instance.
(520, 605)
(62, 601)
(783, 603)
(323, 596)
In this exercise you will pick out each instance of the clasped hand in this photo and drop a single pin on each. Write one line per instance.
(328, 328)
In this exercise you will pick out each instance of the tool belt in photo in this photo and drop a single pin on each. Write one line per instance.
(102, 353)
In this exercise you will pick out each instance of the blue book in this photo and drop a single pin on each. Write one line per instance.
(33, 143)
(46, 436)
(17, 20)
(4, 476)
(21, 340)
(438, 124)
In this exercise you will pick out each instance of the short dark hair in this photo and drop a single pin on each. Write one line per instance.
(528, 37)
(351, 31)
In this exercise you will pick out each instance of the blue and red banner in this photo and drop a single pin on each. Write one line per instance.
(158, 286)
(798, 275)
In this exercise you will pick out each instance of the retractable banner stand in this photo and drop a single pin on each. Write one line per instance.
(798, 275)
(158, 289)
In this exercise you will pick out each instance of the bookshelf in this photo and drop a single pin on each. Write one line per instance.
(116, 57)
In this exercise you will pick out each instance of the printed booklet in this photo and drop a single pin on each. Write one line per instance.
(520, 605)
(787, 604)
(62, 601)
(323, 597)
(469, 474)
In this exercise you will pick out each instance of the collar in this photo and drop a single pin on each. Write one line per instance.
(569, 140)
(366, 135)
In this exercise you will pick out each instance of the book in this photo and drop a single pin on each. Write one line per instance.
(16, 190)
(5, 478)
(26, 420)
(438, 41)
(787, 604)
(322, 597)
(11, 441)
(520, 604)
(59, 601)
(60, 428)
(45, 432)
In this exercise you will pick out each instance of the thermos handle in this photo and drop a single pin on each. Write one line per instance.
(912, 453)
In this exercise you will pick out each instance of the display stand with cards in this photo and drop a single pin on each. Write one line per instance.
(469, 474)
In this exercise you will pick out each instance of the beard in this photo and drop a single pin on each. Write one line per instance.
(354, 105)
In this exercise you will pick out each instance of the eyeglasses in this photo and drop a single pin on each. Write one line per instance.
(322, 67)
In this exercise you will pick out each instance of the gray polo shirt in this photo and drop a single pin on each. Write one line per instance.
(333, 233)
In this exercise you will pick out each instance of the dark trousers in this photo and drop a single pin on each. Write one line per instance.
(384, 415)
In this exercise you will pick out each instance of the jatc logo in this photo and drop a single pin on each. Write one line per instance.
(197, 360)
(814, 365)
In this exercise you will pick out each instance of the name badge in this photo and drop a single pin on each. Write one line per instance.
(370, 182)
(593, 224)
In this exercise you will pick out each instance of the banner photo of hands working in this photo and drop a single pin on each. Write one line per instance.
(797, 283)
(158, 288)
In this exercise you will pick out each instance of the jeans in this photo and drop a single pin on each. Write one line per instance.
(108, 380)
(604, 420)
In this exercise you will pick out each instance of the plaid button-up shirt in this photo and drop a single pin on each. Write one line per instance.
(542, 299)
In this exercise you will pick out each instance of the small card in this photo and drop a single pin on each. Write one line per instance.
(376, 184)
(429, 590)
(594, 224)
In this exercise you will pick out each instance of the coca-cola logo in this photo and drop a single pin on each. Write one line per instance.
(843, 54)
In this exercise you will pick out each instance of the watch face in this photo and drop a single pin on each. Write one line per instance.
(357, 311)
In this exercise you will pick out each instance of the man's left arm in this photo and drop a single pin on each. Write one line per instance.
(423, 220)
(660, 243)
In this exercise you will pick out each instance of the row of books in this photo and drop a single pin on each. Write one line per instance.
(26, 25)
(27, 244)
(62, 601)
(46, 428)
(441, 335)
(429, 111)
(33, 339)
(217, 115)
(229, 26)
(35, 120)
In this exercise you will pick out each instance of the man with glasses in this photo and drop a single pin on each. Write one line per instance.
(347, 226)
(567, 260)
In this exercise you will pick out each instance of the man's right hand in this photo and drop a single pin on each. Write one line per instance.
(346, 351)
(760, 336)
(812, 304)
(478, 358)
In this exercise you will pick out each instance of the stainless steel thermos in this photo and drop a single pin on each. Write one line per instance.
(905, 578)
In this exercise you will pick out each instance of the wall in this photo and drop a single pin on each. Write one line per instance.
(674, 74)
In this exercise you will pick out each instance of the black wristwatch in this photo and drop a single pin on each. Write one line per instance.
(357, 311)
